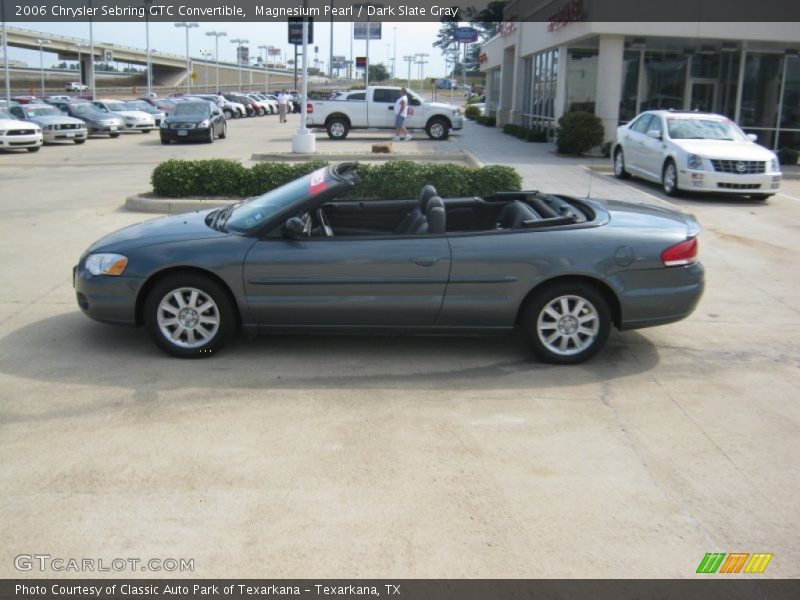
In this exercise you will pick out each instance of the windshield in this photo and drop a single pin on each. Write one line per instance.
(703, 129)
(250, 215)
(139, 105)
(118, 106)
(191, 109)
(42, 112)
(84, 108)
(6, 115)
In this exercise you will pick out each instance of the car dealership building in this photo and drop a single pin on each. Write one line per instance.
(538, 70)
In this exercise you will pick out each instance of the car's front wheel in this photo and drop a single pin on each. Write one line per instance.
(114, 135)
(566, 323)
(438, 129)
(210, 137)
(224, 133)
(189, 316)
(34, 149)
(619, 165)
(83, 141)
(761, 197)
(669, 178)
(228, 114)
(337, 129)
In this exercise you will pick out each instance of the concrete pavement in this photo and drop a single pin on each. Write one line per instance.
(387, 456)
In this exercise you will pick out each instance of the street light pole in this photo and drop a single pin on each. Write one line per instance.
(42, 43)
(239, 42)
(394, 54)
(409, 60)
(147, 4)
(5, 57)
(217, 35)
(188, 26)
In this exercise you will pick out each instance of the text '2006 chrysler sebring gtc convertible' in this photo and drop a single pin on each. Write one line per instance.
(304, 258)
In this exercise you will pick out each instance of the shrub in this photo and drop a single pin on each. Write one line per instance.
(472, 112)
(534, 134)
(487, 120)
(788, 156)
(389, 180)
(578, 132)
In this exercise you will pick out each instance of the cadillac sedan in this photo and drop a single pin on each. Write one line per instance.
(562, 270)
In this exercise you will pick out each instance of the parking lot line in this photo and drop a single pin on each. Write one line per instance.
(788, 196)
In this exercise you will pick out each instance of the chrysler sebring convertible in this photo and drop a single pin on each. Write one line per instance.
(303, 257)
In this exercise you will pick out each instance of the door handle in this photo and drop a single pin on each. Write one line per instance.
(425, 261)
(390, 108)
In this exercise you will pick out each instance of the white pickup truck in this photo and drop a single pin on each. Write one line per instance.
(375, 110)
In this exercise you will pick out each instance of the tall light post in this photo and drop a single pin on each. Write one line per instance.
(239, 42)
(5, 56)
(42, 43)
(217, 35)
(188, 26)
(206, 54)
(92, 88)
(409, 59)
(394, 54)
(147, 4)
(421, 62)
(265, 48)
(79, 47)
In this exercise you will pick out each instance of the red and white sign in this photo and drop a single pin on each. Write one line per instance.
(572, 11)
(507, 28)
(317, 183)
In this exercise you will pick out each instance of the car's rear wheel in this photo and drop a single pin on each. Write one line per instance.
(189, 316)
(224, 133)
(760, 196)
(210, 137)
(80, 141)
(619, 165)
(337, 128)
(114, 135)
(669, 178)
(228, 114)
(34, 149)
(146, 130)
(566, 323)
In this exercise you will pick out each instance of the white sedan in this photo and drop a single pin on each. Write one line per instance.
(695, 151)
(135, 120)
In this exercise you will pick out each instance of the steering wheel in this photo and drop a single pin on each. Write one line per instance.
(325, 226)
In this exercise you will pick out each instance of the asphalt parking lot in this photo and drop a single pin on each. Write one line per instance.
(390, 456)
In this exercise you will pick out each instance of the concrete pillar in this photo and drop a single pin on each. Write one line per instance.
(86, 68)
(561, 84)
(609, 82)
(506, 87)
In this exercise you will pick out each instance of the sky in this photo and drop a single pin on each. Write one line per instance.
(412, 38)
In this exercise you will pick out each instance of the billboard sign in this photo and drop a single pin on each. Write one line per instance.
(296, 30)
(465, 35)
(360, 30)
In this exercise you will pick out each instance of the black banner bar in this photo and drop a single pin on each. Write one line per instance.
(702, 588)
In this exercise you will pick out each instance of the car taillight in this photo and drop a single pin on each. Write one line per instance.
(309, 108)
(681, 254)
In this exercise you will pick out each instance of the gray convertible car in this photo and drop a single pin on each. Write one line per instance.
(301, 257)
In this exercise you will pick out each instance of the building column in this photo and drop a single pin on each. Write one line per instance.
(609, 82)
(508, 74)
(561, 84)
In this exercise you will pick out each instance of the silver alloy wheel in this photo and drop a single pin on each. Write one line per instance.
(568, 325)
(188, 317)
(619, 163)
(670, 177)
(337, 129)
(437, 130)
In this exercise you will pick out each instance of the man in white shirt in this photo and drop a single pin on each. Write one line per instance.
(283, 99)
(400, 114)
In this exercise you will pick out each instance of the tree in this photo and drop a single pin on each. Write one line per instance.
(378, 72)
(486, 21)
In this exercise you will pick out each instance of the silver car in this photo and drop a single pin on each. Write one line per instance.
(56, 126)
(135, 120)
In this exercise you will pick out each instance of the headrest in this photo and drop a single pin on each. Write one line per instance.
(434, 202)
(426, 193)
(436, 215)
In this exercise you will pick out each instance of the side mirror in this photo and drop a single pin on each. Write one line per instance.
(752, 137)
(294, 227)
(654, 133)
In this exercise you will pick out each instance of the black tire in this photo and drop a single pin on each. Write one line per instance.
(164, 141)
(535, 322)
(210, 138)
(337, 128)
(760, 197)
(146, 130)
(228, 114)
(79, 141)
(619, 165)
(438, 129)
(182, 284)
(113, 135)
(36, 149)
(224, 134)
(669, 178)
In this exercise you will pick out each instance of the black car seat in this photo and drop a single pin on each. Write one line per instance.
(415, 219)
(514, 214)
(436, 215)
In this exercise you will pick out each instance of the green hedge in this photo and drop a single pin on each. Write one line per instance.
(579, 132)
(487, 120)
(534, 134)
(389, 180)
(472, 112)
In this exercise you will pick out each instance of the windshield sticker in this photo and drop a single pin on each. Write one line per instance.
(317, 183)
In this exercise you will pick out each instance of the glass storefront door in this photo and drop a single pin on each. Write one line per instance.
(702, 95)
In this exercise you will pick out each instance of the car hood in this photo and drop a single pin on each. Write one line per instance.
(175, 228)
(725, 149)
(55, 120)
(442, 106)
(14, 125)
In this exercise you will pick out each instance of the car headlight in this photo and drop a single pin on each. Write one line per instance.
(774, 166)
(694, 161)
(106, 264)
(205, 123)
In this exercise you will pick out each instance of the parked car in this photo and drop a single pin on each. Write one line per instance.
(230, 108)
(165, 105)
(58, 97)
(55, 125)
(198, 120)
(272, 105)
(25, 99)
(693, 151)
(302, 258)
(97, 121)
(145, 107)
(16, 134)
(76, 86)
(247, 105)
(135, 120)
(338, 117)
(264, 105)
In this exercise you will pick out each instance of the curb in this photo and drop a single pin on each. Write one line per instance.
(146, 203)
(456, 156)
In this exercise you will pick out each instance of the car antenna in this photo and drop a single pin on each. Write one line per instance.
(589, 191)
